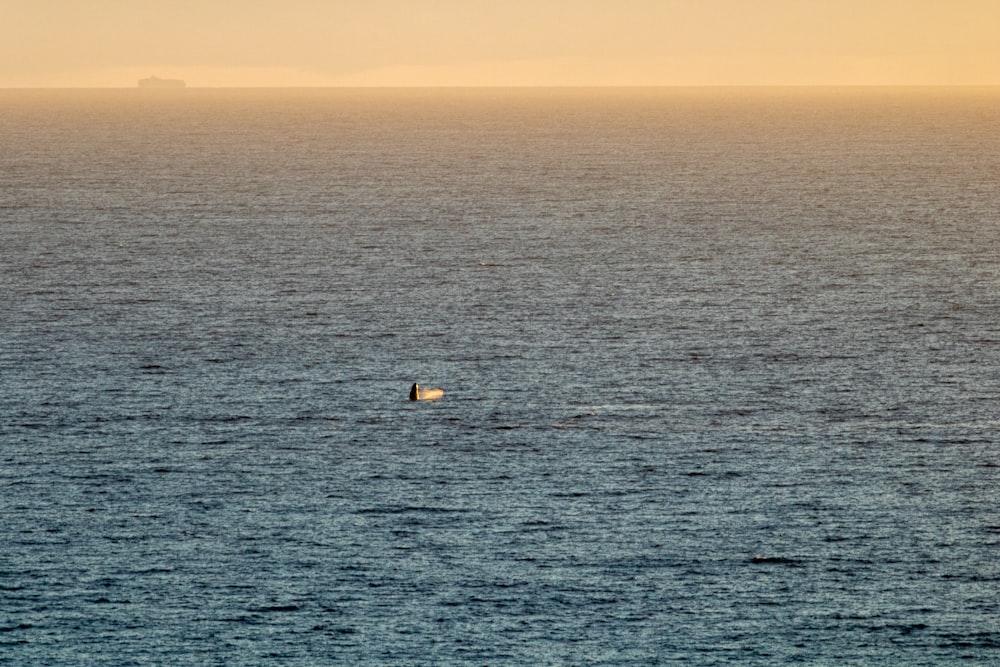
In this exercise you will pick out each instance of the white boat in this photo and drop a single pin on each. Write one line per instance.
(418, 393)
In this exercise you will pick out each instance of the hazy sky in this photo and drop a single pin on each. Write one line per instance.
(499, 42)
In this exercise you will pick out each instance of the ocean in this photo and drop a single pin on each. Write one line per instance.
(721, 372)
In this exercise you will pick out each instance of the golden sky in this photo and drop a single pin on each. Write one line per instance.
(112, 43)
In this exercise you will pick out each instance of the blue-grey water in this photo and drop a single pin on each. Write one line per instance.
(722, 374)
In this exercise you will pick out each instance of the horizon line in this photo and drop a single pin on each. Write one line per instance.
(523, 86)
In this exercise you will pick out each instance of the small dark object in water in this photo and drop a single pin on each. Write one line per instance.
(772, 560)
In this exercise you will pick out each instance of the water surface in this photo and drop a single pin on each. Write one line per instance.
(721, 372)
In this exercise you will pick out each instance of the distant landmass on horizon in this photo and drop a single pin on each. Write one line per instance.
(157, 82)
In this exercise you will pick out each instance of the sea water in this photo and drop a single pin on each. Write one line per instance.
(721, 373)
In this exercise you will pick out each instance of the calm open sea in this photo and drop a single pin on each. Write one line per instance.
(722, 374)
